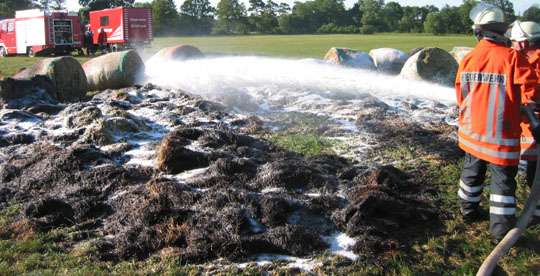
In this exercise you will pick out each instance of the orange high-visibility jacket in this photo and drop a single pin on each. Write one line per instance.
(490, 83)
(528, 146)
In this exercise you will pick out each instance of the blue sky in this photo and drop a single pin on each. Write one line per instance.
(519, 5)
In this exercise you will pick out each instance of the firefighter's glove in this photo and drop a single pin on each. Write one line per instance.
(536, 134)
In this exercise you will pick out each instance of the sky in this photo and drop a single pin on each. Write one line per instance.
(519, 5)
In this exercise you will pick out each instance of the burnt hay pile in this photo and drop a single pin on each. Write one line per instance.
(206, 190)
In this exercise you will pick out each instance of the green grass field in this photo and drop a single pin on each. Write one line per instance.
(285, 46)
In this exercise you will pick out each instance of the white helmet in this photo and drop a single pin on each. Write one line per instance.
(486, 13)
(527, 30)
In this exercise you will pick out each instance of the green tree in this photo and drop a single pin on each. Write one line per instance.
(310, 16)
(196, 17)
(105, 4)
(331, 11)
(8, 7)
(290, 24)
(231, 17)
(142, 5)
(392, 15)
(307, 18)
(269, 22)
(256, 9)
(53, 4)
(165, 17)
(354, 14)
(414, 18)
(59, 4)
(283, 8)
(506, 6)
(464, 11)
(531, 14)
(372, 14)
(434, 24)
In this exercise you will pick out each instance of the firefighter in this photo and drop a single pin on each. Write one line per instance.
(102, 41)
(491, 82)
(526, 39)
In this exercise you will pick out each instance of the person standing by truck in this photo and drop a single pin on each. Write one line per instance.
(491, 83)
(102, 41)
(89, 40)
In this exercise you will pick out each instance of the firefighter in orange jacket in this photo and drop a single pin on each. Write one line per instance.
(491, 82)
(526, 38)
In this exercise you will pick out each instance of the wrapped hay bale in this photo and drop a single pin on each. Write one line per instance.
(179, 52)
(66, 74)
(388, 60)
(113, 70)
(350, 58)
(459, 52)
(431, 64)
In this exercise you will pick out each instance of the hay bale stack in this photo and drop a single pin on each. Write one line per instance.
(66, 74)
(179, 52)
(114, 70)
(350, 58)
(388, 60)
(459, 52)
(431, 64)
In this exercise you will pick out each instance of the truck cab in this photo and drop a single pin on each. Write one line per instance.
(8, 43)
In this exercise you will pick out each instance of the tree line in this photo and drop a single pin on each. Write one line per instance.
(199, 17)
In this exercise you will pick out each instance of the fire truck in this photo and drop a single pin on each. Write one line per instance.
(125, 27)
(40, 32)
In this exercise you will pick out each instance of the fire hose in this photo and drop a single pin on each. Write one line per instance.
(512, 236)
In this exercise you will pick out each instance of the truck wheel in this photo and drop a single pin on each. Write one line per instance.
(2, 52)
(30, 52)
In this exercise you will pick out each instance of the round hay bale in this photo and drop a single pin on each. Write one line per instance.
(114, 70)
(179, 52)
(415, 50)
(350, 58)
(431, 64)
(459, 52)
(388, 60)
(66, 74)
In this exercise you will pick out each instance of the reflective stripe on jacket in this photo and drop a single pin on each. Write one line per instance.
(491, 81)
(528, 146)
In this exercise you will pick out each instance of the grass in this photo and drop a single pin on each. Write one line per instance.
(284, 46)
(303, 144)
(314, 46)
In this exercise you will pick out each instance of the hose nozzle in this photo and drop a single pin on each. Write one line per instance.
(531, 117)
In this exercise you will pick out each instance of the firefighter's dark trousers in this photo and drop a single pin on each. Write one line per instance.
(502, 206)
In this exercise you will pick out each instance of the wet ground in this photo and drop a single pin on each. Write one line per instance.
(153, 171)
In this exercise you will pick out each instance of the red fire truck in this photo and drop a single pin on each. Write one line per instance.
(125, 27)
(41, 32)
